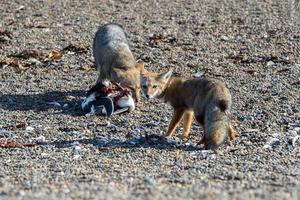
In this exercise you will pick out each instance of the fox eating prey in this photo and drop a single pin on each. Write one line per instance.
(114, 59)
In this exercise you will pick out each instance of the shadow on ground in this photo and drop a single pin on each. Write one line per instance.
(147, 141)
(44, 102)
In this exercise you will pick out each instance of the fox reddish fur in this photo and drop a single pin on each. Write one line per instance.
(207, 99)
(114, 59)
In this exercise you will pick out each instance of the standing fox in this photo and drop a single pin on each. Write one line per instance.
(208, 99)
(114, 60)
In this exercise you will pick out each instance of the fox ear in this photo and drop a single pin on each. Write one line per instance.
(140, 66)
(166, 75)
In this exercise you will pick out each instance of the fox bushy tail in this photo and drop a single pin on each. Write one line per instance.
(216, 124)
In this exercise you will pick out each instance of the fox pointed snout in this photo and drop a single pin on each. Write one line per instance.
(147, 96)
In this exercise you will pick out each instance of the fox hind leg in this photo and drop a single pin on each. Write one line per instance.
(200, 120)
(178, 113)
(187, 122)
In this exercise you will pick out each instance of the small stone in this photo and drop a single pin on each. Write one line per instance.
(44, 154)
(78, 148)
(212, 156)
(271, 143)
(206, 153)
(224, 38)
(55, 55)
(112, 126)
(270, 63)
(294, 140)
(247, 118)
(29, 129)
(102, 142)
(132, 142)
(116, 142)
(153, 123)
(136, 140)
(34, 61)
(46, 30)
(77, 157)
(138, 129)
(165, 119)
(20, 8)
(55, 103)
(149, 182)
(5, 134)
(70, 52)
(75, 143)
(154, 139)
(198, 74)
(85, 67)
(170, 141)
(296, 124)
(40, 139)
(251, 130)
(75, 66)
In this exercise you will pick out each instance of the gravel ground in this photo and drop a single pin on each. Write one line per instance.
(254, 46)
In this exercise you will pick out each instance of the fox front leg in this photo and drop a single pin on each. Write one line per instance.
(187, 122)
(178, 113)
(99, 79)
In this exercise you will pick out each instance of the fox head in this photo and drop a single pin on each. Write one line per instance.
(153, 84)
(130, 78)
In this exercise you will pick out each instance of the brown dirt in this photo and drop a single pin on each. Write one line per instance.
(254, 46)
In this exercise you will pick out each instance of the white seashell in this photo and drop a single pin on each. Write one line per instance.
(126, 101)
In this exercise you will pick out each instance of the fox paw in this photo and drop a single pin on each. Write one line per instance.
(182, 137)
(202, 141)
(168, 137)
(232, 135)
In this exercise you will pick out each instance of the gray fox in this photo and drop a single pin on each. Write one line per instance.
(114, 59)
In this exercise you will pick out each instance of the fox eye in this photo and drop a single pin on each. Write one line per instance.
(154, 86)
(144, 86)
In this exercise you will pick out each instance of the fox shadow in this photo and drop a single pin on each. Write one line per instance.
(65, 102)
(143, 141)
